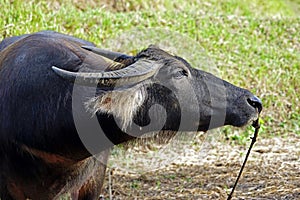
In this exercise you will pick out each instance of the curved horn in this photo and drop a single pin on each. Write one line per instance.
(132, 74)
(108, 54)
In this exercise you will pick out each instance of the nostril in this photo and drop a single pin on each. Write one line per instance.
(255, 102)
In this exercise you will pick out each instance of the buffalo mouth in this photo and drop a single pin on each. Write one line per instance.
(245, 111)
(247, 117)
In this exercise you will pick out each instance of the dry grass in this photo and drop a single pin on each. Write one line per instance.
(273, 172)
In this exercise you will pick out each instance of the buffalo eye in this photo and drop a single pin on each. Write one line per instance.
(180, 74)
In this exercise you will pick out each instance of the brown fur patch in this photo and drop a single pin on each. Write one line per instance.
(16, 191)
(49, 158)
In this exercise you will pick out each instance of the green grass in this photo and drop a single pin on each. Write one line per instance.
(255, 44)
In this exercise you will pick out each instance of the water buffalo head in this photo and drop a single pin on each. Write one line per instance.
(155, 90)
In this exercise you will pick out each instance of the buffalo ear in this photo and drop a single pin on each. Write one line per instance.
(122, 104)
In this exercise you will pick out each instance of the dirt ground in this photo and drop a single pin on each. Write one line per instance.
(272, 172)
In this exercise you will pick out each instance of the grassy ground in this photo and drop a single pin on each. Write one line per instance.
(255, 44)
